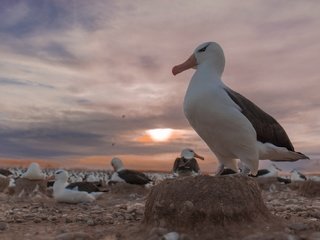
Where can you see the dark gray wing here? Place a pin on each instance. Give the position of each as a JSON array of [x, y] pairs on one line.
[[182, 164], [262, 172], [5, 172], [84, 186], [267, 128], [283, 180], [134, 177]]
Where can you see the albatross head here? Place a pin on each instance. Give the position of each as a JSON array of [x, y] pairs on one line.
[[188, 153], [61, 175], [209, 53], [117, 164]]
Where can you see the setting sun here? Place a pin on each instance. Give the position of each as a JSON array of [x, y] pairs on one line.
[[160, 134]]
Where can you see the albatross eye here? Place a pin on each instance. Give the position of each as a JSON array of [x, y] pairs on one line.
[[203, 49]]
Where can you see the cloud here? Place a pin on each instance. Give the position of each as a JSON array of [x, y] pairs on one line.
[[70, 70]]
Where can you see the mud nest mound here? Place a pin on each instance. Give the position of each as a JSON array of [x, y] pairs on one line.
[[195, 202], [310, 189], [4, 183], [26, 187]]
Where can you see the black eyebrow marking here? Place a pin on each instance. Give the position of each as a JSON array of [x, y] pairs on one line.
[[204, 48], [59, 171]]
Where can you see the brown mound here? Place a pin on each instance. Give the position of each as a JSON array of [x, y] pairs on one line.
[[196, 202], [25, 187], [4, 183], [310, 189]]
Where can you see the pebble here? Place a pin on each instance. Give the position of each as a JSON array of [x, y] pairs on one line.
[[68, 220], [37, 220], [171, 236], [189, 204], [3, 226], [90, 222]]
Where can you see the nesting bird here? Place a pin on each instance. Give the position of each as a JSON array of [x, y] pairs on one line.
[[187, 164], [5, 172], [232, 126], [34, 172], [125, 175], [62, 194], [297, 176], [271, 171]]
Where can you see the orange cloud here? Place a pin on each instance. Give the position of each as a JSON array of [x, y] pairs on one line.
[[145, 138]]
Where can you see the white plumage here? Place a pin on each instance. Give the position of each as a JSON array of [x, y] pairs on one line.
[[34, 172], [231, 125], [297, 176], [61, 194]]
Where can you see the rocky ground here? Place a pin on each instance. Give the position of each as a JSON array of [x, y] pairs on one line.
[[119, 214]]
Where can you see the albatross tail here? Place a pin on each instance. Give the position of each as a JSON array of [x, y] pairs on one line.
[[268, 151]]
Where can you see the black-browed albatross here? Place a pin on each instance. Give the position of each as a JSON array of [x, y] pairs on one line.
[[231, 125], [125, 175], [187, 164]]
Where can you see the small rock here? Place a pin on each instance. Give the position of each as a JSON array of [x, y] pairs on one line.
[[188, 204], [53, 219], [37, 220], [3, 226], [68, 220], [90, 222], [171, 236], [18, 220]]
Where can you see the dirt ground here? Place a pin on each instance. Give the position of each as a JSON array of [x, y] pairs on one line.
[[119, 214]]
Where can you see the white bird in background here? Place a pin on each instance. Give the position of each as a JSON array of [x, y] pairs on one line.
[[232, 126], [297, 176], [34, 172], [61, 194], [271, 171]]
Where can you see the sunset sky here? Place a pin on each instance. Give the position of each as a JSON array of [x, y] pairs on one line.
[[82, 81]]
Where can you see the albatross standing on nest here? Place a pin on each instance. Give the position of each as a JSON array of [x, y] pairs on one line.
[[231, 125]]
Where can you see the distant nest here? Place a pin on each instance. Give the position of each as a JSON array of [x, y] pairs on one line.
[[26, 187], [197, 202], [4, 183], [310, 189]]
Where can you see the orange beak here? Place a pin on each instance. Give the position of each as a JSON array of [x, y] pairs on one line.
[[198, 156], [190, 63]]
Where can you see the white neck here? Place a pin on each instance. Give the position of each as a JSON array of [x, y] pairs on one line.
[[120, 168]]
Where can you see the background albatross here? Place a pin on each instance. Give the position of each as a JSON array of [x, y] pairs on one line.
[[231, 125]]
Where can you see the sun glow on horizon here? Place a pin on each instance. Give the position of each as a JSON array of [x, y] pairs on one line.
[[160, 134]]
